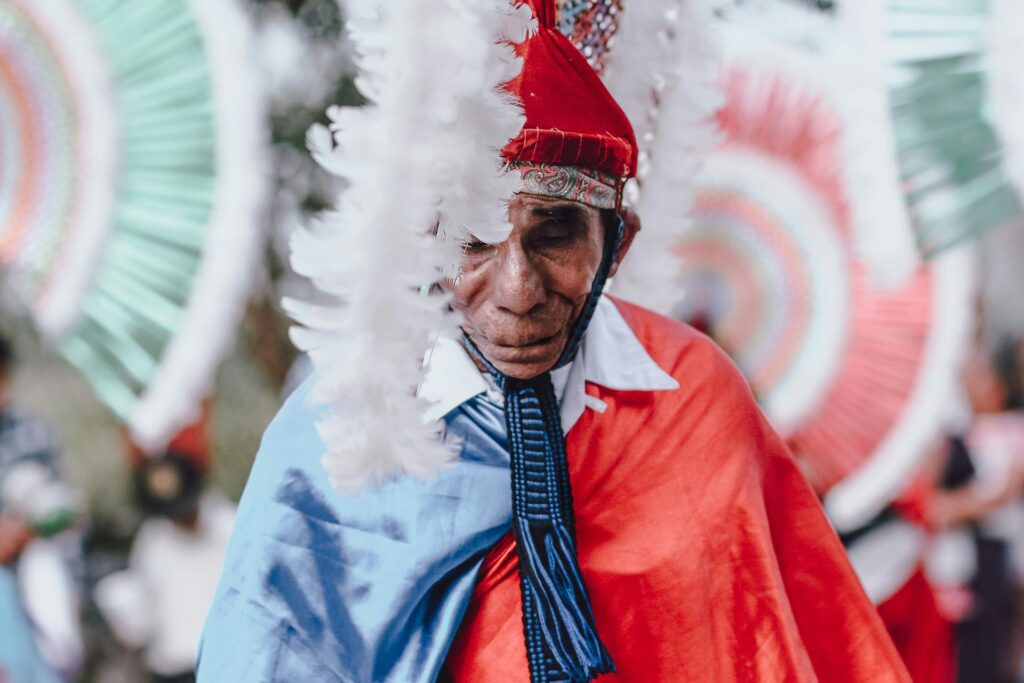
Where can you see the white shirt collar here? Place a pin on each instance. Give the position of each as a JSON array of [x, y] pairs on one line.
[[610, 356]]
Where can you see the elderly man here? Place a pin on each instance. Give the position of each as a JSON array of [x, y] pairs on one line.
[[620, 509]]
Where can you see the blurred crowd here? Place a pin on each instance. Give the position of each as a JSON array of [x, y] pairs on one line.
[[64, 614]]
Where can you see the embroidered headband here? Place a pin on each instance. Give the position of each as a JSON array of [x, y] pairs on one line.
[[586, 186]]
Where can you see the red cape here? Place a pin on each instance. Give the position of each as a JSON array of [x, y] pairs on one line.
[[706, 555]]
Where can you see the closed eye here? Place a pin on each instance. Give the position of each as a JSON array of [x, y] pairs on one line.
[[556, 234]]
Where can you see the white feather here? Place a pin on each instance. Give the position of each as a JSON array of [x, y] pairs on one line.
[[320, 143], [663, 72], [424, 151]]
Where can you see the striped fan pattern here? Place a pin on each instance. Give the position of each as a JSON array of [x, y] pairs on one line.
[[166, 191], [769, 265], [132, 255], [938, 73], [853, 374]]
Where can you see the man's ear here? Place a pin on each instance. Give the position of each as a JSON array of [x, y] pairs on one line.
[[631, 226]]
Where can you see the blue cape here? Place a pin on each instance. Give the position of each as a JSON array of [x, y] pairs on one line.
[[322, 587]]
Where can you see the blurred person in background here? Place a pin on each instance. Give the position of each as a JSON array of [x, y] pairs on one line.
[[40, 639], [160, 601], [994, 444], [941, 562]]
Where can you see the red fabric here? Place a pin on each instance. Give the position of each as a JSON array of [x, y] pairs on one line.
[[192, 441], [916, 501], [571, 118], [706, 555], [922, 635]]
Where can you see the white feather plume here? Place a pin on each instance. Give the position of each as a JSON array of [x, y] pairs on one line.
[[424, 152], [663, 72]]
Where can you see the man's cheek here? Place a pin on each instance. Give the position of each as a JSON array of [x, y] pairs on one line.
[[463, 290], [469, 312], [580, 287]]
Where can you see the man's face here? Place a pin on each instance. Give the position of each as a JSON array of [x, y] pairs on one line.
[[520, 298]]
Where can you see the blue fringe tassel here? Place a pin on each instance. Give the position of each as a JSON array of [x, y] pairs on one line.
[[561, 608]]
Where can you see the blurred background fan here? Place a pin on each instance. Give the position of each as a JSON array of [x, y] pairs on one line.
[[950, 160], [854, 374], [132, 219], [152, 167]]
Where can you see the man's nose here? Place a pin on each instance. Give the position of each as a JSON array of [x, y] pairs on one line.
[[520, 285]]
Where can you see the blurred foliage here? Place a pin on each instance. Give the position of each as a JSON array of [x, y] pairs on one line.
[[321, 17], [322, 22], [320, 79], [245, 401]]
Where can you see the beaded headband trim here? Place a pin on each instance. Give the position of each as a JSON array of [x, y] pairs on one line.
[[590, 187]]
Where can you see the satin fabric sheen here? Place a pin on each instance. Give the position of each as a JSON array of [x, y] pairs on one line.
[[923, 636], [318, 587], [706, 554]]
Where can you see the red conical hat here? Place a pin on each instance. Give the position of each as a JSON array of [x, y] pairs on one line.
[[571, 118]]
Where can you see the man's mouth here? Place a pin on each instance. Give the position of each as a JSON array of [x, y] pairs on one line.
[[532, 352], [540, 341]]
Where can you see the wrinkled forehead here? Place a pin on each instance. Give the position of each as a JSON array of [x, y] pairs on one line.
[[571, 183], [528, 208]]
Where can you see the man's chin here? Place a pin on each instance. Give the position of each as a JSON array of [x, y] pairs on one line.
[[524, 370]]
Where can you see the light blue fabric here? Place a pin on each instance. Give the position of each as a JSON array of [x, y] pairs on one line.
[[19, 658], [321, 587]]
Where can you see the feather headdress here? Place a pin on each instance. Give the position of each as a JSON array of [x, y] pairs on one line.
[[423, 153], [663, 71]]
